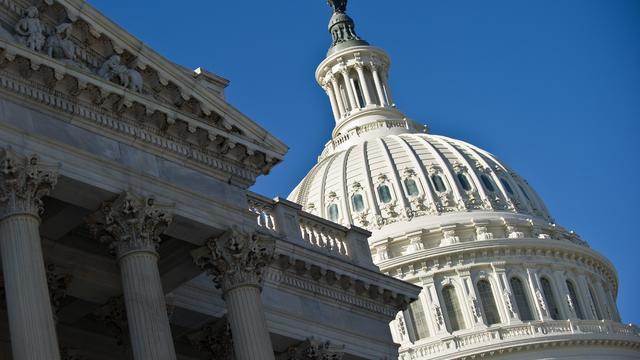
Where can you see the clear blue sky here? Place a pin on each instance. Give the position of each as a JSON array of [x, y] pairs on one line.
[[552, 87]]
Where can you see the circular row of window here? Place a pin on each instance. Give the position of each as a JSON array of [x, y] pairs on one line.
[[412, 190]]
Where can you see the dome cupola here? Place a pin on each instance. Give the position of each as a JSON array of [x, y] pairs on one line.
[[355, 77]]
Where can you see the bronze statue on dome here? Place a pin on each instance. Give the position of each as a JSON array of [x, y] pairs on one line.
[[339, 6]]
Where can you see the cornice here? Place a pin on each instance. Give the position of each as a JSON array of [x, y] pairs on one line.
[[102, 26], [482, 252], [103, 121], [205, 125]]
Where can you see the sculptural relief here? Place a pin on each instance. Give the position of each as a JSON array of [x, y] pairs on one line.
[[59, 44], [112, 69], [30, 30]]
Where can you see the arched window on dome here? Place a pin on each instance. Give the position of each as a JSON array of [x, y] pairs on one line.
[[522, 301], [550, 298], [411, 187], [452, 308], [417, 321], [464, 182], [384, 194], [487, 182], [507, 186], [357, 201], [488, 301], [596, 305], [334, 212], [438, 183], [573, 295]]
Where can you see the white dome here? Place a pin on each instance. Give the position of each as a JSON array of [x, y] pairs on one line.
[[498, 275], [425, 175]]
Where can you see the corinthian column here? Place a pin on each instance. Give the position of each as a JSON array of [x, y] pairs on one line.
[[132, 226], [235, 262], [378, 83], [23, 183], [363, 84]]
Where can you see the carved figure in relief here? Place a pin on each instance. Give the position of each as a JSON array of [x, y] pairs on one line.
[[541, 302], [483, 233], [59, 44], [449, 237], [113, 69], [508, 300], [30, 29], [437, 315], [401, 327], [475, 309]]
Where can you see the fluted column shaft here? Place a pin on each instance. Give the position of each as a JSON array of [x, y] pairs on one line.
[[23, 184], [245, 314], [132, 226], [378, 84], [146, 307], [339, 99], [364, 85], [347, 84], [386, 89], [235, 262], [33, 334], [334, 103]]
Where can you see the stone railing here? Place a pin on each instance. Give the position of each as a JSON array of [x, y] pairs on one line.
[[287, 220], [358, 131], [502, 335]]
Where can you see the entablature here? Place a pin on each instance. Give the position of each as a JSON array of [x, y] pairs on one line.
[[427, 263], [67, 52]]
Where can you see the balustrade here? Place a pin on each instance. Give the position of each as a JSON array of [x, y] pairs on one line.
[[294, 225], [533, 330]]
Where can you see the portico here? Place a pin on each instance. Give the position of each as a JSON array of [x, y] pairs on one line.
[[127, 227]]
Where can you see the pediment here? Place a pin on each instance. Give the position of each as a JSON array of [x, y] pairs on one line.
[[68, 47]]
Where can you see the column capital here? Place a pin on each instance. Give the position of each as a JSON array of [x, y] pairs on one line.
[[24, 181], [235, 258], [130, 223]]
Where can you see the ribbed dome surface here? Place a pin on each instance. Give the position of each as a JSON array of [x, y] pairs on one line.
[[397, 178]]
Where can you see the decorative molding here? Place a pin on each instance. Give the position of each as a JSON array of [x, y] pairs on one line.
[[235, 258], [210, 155], [336, 288], [130, 223], [71, 55], [472, 254], [24, 181]]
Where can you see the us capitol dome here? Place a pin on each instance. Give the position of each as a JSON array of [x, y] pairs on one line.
[[500, 278]]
